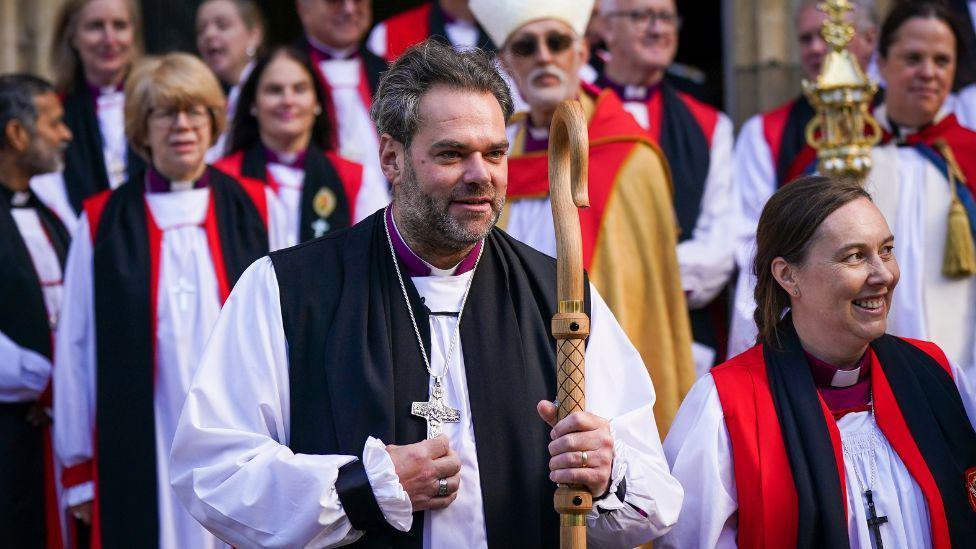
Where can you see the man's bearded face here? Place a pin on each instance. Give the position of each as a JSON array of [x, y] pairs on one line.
[[451, 189], [454, 217], [544, 58]]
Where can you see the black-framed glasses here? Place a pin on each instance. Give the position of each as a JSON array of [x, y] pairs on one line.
[[648, 17], [528, 44], [196, 116]]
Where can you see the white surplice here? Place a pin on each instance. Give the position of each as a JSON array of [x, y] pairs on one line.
[[232, 468], [188, 304], [358, 140], [699, 450], [284, 205], [914, 197], [24, 374]]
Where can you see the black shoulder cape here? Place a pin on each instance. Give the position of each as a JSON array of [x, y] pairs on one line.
[[24, 320], [125, 347], [355, 369]]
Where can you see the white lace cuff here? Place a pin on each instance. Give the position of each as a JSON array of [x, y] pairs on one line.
[[390, 495]]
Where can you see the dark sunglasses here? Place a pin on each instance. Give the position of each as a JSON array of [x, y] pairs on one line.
[[528, 45]]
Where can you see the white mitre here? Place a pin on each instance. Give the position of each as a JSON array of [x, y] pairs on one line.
[[501, 18]]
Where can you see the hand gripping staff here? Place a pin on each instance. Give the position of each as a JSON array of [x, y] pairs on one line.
[[568, 164]]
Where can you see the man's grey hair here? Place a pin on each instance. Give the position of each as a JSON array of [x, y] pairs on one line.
[[17, 93], [396, 109], [865, 12]]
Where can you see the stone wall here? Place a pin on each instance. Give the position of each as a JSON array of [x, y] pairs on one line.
[[763, 69], [25, 34]]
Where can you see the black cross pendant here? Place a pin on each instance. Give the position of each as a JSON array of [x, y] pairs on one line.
[[874, 521]]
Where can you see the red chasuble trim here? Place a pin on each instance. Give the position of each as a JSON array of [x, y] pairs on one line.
[[774, 124], [406, 29], [613, 137], [706, 115], [351, 176], [52, 511]]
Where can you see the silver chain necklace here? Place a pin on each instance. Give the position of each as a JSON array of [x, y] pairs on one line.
[[435, 410], [871, 515]]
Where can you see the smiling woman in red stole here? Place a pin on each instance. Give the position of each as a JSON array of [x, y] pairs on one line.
[[829, 432], [147, 273], [280, 139]]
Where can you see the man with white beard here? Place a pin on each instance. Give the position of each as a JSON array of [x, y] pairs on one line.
[[629, 230]]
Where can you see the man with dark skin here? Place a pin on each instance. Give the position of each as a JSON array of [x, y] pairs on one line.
[[33, 242]]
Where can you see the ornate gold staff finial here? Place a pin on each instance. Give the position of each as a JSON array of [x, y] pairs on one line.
[[843, 130]]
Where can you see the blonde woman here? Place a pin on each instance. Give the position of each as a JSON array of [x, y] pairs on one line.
[[95, 44], [151, 265]]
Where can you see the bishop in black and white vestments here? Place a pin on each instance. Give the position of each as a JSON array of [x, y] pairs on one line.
[[318, 359]]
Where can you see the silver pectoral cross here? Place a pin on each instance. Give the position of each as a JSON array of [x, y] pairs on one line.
[[435, 410], [320, 227]]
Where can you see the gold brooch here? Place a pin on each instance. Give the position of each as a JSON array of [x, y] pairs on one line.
[[324, 202]]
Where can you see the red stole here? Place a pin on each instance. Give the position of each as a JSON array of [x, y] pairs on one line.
[[613, 135], [961, 140], [406, 29], [767, 498]]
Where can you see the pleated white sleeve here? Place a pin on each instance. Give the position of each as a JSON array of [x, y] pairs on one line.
[[706, 259], [619, 388], [74, 370], [230, 464], [754, 183], [700, 453]]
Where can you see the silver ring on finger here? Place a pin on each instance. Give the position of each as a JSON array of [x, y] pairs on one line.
[[584, 459], [441, 487]]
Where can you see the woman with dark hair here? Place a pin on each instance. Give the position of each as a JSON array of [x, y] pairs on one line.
[[828, 432], [924, 180], [280, 137]]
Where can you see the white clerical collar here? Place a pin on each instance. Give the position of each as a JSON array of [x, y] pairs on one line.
[[536, 133], [902, 132], [181, 185], [846, 378]]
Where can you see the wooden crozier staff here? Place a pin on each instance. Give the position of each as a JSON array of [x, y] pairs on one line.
[[568, 159]]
